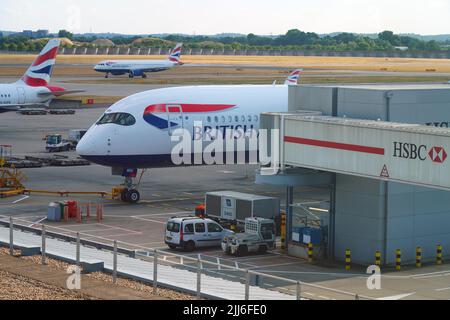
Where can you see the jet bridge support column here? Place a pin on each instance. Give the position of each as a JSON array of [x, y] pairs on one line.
[[289, 202]]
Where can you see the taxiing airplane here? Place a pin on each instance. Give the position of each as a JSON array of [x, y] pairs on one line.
[[140, 67], [33, 88], [136, 131]]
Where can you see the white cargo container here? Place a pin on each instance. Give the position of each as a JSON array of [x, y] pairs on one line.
[[407, 153], [237, 206]]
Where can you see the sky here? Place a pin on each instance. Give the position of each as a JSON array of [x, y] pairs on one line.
[[263, 17]]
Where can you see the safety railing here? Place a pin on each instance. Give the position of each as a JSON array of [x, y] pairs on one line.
[[252, 280]]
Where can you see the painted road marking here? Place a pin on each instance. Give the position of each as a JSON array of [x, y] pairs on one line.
[[21, 199], [396, 297], [442, 289], [149, 220], [275, 265], [37, 222]]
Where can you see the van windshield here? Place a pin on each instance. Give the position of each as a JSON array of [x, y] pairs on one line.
[[173, 226]]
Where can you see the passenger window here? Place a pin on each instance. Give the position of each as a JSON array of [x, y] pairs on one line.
[[255, 118], [199, 227], [189, 228], [249, 118], [223, 119], [236, 118], [208, 119], [216, 119], [212, 227], [243, 118], [230, 119]]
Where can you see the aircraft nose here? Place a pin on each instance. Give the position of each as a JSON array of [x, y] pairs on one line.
[[85, 147]]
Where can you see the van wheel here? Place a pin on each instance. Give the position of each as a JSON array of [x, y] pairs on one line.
[[190, 246], [171, 246], [242, 250]]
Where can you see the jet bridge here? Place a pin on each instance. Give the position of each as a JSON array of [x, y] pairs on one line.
[[407, 154], [399, 152]]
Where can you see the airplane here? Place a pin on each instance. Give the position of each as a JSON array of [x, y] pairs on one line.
[[135, 132], [33, 88], [140, 67]]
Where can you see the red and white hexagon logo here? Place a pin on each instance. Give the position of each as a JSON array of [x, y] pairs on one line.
[[437, 154]]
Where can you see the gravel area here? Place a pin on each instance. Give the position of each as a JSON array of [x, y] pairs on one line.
[[14, 287], [60, 265]]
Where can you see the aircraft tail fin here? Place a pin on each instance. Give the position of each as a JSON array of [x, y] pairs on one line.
[[293, 77], [40, 71], [175, 54]]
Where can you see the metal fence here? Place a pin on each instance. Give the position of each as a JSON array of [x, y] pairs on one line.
[[202, 266], [245, 52]]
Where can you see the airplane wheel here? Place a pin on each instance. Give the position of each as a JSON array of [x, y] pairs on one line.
[[133, 196], [106, 76], [144, 76], [131, 75]]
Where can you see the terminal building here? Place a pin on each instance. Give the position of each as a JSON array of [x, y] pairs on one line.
[[371, 212]]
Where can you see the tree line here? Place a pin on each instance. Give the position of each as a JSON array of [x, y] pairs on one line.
[[293, 40]]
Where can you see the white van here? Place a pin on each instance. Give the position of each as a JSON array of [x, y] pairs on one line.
[[193, 232]]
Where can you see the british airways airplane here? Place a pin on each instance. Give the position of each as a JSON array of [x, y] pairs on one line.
[[140, 67], [33, 88], [136, 132]]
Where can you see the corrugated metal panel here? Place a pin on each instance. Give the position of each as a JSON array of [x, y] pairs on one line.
[[364, 147]]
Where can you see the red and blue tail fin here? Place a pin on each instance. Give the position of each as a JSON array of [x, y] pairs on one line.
[[175, 54], [293, 77], [40, 71]]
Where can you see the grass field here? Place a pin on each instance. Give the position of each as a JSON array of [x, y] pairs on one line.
[[325, 63]]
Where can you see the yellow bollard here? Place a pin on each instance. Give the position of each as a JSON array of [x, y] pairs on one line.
[[378, 258], [310, 252], [398, 259], [439, 254], [283, 230], [418, 257], [348, 259]]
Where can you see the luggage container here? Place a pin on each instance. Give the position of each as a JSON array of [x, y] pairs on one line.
[[236, 206], [54, 212]]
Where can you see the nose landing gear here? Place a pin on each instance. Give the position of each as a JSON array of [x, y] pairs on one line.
[[128, 191], [131, 196]]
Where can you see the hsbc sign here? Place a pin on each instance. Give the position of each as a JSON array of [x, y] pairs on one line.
[[396, 152], [413, 151], [437, 154]]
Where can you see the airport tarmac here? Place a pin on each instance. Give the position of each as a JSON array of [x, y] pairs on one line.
[[174, 191]]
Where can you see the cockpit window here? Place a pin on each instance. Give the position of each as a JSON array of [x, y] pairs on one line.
[[120, 118]]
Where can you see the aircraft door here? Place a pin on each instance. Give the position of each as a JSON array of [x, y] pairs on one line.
[[21, 95], [174, 118]]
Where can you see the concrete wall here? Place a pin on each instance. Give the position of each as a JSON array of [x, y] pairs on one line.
[[374, 215]]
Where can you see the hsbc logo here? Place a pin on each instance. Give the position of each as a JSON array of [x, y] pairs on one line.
[[437, 154], [413, 151]]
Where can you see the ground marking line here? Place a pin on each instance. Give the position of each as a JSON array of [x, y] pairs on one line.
[[150, 220], [275, 265], [121, 235], [23, 198], [442, 289], [119, 228]]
